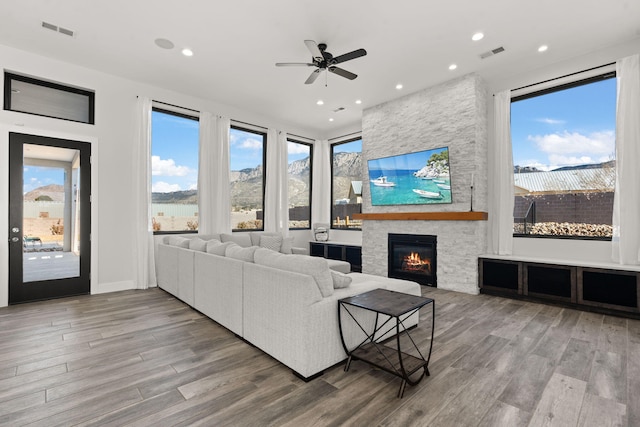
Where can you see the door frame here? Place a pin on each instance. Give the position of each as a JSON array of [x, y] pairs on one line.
[[44, 289]]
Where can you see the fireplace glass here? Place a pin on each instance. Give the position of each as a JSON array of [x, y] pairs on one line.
[[413, 257]]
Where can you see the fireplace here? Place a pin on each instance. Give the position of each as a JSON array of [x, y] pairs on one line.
[[413, 257]]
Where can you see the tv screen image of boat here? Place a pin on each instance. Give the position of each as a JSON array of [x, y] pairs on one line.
[[411, 179]]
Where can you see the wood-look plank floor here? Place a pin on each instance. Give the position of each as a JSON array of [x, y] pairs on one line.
[[142, 358]]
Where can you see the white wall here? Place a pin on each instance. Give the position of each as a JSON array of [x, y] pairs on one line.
[[112, 139], [559, 249]]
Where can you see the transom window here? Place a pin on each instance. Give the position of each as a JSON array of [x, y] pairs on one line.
[[563, 142]]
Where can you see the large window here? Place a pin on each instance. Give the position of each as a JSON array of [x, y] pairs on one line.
[[300, 161], [564, 159], [174, 163], [246, 161], [346, 184]]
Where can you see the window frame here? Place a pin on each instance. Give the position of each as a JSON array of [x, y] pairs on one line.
[[255, 130], [311, 146], [577, 82], [91, 95], [331, 204], [184, 116]]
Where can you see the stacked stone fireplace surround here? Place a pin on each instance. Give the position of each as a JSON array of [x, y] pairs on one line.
[[452, 114]]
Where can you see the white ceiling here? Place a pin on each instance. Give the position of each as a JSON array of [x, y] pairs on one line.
[[237, 43]]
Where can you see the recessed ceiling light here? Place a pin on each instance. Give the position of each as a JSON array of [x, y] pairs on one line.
[[358, 101], [543, 48], [477, 36], [453, 67], [399, 86], [164, 43], [320, 102], [331, 119], [187, 52]]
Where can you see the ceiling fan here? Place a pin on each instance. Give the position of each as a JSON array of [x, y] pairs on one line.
[[323, 60]]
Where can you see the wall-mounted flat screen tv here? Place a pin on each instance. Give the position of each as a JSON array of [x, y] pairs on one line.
[[420, 178]]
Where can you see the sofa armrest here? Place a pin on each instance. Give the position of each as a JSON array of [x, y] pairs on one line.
[[300, 251]]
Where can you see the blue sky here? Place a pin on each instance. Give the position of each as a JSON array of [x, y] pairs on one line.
[[567, 128], [38, 176], [409, 161]]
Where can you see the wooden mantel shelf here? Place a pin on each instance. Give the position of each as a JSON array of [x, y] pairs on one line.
[[424, 216]]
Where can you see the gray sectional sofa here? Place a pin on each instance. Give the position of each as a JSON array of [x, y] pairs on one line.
[[284, 304]]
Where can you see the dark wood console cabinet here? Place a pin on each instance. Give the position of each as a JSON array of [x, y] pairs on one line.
[[340, 251], [596, 289]]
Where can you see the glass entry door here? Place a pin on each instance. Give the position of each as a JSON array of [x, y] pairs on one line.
[[49, 218]]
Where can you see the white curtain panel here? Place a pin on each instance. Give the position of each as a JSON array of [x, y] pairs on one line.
[[321, 187], [206, 173], [221, 193], [144, 259], [500, 175], [276, 203], [626, 198]]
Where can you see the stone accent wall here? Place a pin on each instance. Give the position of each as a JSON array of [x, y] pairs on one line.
[[452, 114]]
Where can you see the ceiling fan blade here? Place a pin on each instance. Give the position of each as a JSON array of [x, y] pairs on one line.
[[342, 72], [293, 64], [315, 51], [312, 78], [348, 56]]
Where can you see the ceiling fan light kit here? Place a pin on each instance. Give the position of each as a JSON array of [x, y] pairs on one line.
[[324, 60]]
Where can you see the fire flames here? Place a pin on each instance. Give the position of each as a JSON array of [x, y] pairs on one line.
[[414, 263]]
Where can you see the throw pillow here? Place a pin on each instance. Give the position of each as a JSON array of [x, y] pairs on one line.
[[241, 239], [198, 244], [314, 266], [340, 280], [287, 244], [216, 247], [238, 252], [271, 242], [179, 241]]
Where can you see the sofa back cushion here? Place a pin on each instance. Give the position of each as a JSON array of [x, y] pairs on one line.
[[198, 244], [238, 252], [314, 266], [216, 247], [179, 241], [241, 239]]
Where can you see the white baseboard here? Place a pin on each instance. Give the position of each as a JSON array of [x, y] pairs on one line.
[[103, 288]]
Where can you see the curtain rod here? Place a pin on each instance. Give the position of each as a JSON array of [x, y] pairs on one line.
[[562, 77], [345, 136]]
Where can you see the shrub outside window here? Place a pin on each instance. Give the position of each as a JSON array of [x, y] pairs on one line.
[[563, 142], [299, 171], [246, 161], [174, 164], [346, 184]]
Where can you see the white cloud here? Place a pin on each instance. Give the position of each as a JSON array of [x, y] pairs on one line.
[[164, 187], [193, 186], [251, 144], [167, 167], [597, 143], [550, 121], [560, 160], [294, 148]]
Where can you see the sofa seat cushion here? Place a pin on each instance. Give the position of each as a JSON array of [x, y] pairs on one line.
[[314, 266]]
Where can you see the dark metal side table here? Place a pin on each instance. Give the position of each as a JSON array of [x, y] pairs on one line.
[[398, 307]]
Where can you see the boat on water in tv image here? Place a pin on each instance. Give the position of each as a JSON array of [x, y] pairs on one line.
[[381, 181], [428, 194], [416, 178]]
